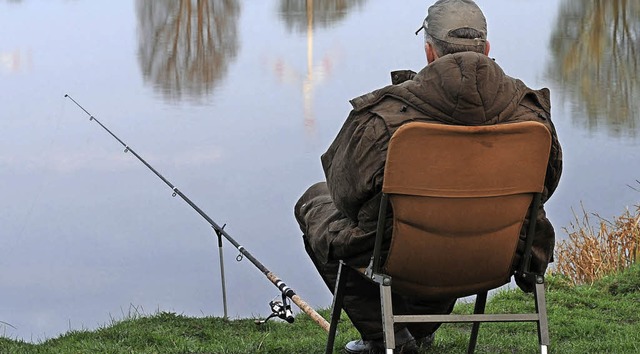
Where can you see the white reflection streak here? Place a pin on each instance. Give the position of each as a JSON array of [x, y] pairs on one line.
[[314, 75], [14, 62], [307, 85]]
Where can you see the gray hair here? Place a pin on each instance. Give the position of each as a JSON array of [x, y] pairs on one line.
[[443, 48]]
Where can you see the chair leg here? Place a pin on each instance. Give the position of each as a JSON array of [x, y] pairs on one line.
[[541, 309], [336, 307], [481, 302], [387, 318]]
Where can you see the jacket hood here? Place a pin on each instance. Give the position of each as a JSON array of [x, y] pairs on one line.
[[466, 88]]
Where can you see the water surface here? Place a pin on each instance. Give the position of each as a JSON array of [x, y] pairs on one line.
[[234, 102]]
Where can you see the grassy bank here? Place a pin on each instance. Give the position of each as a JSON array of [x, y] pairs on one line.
[[598, 318], [593, 297]]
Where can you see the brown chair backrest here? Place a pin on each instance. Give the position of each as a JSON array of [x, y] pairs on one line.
[[459, 196]]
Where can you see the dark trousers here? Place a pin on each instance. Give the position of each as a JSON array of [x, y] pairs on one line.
[[314, 212]]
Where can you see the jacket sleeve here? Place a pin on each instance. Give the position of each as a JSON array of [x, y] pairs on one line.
[[354, 163], [554, 168], [536, 106]]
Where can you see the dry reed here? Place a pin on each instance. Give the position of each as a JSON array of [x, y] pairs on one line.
[[593, 252]]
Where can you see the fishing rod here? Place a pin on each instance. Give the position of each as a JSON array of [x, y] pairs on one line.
[[279, 309]]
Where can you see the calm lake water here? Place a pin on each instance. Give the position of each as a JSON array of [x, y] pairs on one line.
[[234, 102]]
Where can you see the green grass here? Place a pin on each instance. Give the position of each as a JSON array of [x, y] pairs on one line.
[[601, 318]]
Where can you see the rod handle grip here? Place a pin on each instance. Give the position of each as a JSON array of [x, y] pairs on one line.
[[311, 312]]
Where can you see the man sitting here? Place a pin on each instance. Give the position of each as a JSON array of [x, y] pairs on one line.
[[460, 85]]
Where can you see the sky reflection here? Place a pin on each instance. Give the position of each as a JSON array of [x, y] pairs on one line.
[[89, 235]]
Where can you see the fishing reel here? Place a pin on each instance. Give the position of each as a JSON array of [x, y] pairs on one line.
[[280, 309]]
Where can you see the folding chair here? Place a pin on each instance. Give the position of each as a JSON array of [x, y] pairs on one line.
[[459, 197]]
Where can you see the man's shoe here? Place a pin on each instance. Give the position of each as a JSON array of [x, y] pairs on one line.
[[425, 342], [404, 344]]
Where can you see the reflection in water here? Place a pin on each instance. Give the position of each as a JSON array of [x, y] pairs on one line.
[[596, 58], [294, 13], [303, 16], [15, 61], [185, 46]]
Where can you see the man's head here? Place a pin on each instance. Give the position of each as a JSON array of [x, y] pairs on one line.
[[454, 26]]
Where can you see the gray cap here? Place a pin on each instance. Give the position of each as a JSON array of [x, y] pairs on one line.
[[446, 16]]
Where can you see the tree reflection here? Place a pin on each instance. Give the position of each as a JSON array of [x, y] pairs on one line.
[[595, 47], [325, 12], [185, 46], [304, 17]]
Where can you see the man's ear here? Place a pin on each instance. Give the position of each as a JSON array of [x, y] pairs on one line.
[[487, 48], [431, 52]]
